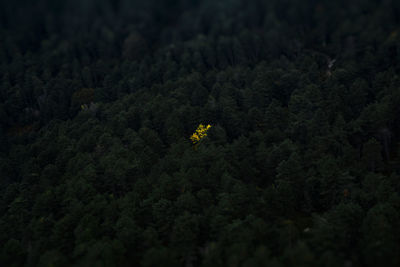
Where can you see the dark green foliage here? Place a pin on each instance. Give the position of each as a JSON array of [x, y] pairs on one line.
[[301, 165]]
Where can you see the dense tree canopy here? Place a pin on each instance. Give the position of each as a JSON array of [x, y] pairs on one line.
[[300, 165]]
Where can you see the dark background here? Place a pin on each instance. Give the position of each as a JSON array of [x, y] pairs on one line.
[[98, 100]]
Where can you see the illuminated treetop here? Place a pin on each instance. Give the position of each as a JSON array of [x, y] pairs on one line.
[[200, 133]]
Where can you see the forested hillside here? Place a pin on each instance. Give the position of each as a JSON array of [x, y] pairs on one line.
[[299, 166]]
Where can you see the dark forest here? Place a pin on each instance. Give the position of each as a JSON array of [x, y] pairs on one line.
[[199, 133]]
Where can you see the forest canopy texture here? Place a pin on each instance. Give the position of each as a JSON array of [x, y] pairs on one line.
[[200, 133]]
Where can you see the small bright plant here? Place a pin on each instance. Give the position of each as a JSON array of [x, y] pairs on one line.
[[200, 133]]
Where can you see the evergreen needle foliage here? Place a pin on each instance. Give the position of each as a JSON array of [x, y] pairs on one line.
[[106, 159]]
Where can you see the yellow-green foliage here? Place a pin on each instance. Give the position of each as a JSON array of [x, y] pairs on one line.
[[200, 133]]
